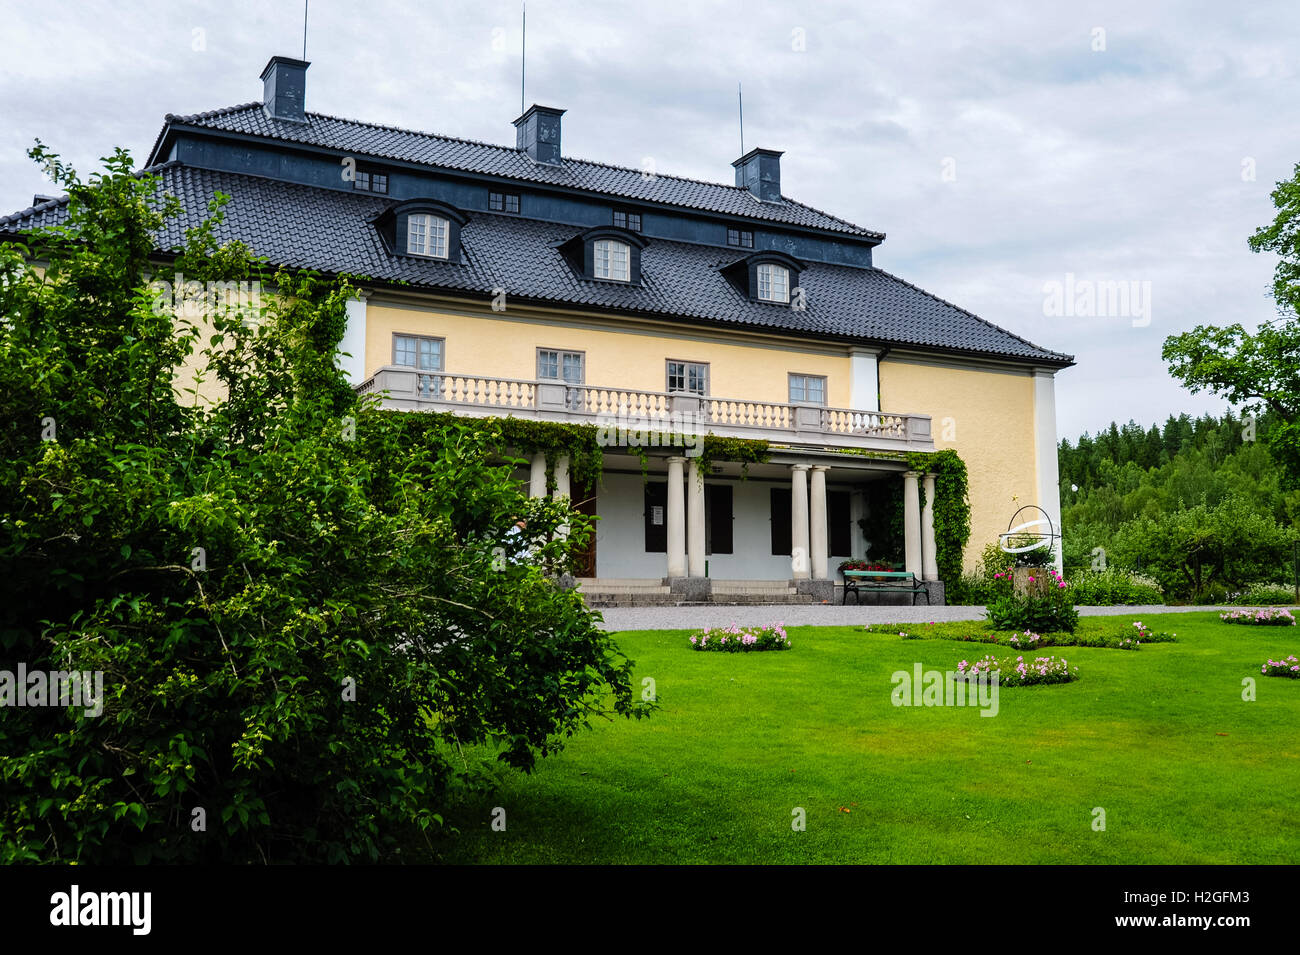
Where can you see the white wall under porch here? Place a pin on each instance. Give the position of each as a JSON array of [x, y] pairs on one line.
[[620, 533]]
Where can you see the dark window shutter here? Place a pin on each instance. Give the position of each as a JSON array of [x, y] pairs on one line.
[[840, 536], [781, 521], [656, 535], [717, 503]]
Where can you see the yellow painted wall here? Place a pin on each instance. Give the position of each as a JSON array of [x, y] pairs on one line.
[[507, 348], [988, 418]]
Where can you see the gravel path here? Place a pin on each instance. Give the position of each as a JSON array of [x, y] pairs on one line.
[[691, 618]]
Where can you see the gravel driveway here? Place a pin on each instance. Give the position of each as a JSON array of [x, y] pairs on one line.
[[691, 618]]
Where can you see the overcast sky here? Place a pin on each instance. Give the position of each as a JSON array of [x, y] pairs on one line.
[[1001, 146]]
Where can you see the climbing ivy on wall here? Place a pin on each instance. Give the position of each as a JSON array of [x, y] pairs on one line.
[[951, 507], [527, 436], [883, 525]]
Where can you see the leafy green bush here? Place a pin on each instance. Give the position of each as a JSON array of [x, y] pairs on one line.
[[297, 614], [1039, 611], [1112, 586], [1192, 549], [1266, 595]]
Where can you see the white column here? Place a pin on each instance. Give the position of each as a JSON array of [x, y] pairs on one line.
[[537, 475], [864, 379], [857, 511], [676, 520], [1048, 476], [353, 364], [799, 522], [817, 523], [912, 523], [561, 477], [929, 559], [694, 519]]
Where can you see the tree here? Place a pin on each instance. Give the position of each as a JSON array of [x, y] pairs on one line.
[[1190, 549], [1261, 369], [298, 616]]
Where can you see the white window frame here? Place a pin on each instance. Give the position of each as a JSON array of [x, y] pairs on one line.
[[442, 350], [770, 290], [804, 380], [607, 255], [427, 235], [702, 367]]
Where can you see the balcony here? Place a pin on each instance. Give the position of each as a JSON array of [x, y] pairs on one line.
[[797, 424]]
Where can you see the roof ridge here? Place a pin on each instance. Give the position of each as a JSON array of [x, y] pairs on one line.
[[463, 140], [965, 311]]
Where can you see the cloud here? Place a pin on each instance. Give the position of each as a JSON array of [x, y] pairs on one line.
[[1116, 164]]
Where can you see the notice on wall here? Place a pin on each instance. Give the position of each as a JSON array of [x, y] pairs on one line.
[[656, 514]]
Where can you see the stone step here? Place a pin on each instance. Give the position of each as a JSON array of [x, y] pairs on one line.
[[604, 600]]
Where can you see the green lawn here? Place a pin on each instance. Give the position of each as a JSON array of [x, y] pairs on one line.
[[1186, 771]]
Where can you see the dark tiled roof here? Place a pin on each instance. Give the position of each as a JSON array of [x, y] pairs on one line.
[[385, 142], [306, 227]]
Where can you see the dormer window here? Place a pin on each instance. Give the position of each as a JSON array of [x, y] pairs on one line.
[[740, 237], [611, 259], [427, 235], [773, 283], [426, 228], [604, 254], [769, 276]]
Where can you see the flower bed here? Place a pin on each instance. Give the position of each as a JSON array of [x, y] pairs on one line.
[[1096, 634], [736, 639], [1017, 671], [1289, 667], [1264, 617], [864, 565]]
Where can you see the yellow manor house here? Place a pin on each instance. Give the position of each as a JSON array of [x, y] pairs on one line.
[[515, 280]]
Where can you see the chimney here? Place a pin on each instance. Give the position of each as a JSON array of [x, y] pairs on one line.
[[537, 133], [759, 171], [284, 90]]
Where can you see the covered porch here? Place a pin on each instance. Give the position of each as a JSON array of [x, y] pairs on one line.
[[678, 533]]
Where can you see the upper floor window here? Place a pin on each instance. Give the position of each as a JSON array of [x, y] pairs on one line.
[[689, 376], [741, 238], [611, 260], [810, 389], [627, 220], [369, 181], [417, 351], [565, 365], [426, 235], [773, 283], [504, 202]]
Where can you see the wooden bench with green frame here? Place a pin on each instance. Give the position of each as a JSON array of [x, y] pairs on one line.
[[859, 577]]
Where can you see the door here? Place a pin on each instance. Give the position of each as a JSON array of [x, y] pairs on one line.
[[584, 501]]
